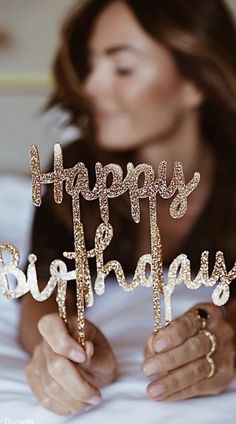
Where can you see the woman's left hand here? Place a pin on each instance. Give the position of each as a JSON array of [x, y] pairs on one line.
[[176, 356]]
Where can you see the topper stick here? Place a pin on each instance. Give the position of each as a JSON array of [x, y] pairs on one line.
[[157, 267], [81, 268]]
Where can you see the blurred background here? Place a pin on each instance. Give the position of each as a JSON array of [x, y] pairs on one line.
[[28, 38]]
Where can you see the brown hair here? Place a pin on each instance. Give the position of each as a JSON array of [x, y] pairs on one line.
[[201, 36]]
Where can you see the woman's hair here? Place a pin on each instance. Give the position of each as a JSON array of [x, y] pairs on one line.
[[201, 36]]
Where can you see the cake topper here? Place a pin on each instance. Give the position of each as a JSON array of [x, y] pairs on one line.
[[76, 182]]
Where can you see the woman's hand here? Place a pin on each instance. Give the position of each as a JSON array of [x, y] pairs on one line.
[[63, 377], [176, 357]]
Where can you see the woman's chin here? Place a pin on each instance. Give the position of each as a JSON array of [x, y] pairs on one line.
[[115, 141], [112, 144]]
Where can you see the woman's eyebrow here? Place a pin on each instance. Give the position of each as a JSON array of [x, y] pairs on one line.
[[121, 48], [110, 51]]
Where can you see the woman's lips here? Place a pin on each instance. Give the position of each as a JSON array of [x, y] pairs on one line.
[[105, 116]]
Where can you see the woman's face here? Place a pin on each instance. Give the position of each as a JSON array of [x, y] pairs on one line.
[[137, 93]]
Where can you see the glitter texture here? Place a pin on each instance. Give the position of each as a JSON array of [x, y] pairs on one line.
[[180, 273], [77, 184]]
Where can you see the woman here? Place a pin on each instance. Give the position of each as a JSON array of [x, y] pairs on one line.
[[154, 83]]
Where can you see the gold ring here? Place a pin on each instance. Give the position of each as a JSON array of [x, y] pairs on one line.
[[212, 364], [212, 338], [202, 315]]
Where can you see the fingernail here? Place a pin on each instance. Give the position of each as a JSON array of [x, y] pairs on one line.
[[90, 349], [95, 400], [77, 356], [88, 408], [157, 390], [151, 368], [161, 344]]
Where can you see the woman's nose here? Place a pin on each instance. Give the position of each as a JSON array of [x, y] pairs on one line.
[[96, 82]]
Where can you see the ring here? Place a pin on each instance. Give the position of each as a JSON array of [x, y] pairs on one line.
[[212, 364], [212, 338], [202, 315]]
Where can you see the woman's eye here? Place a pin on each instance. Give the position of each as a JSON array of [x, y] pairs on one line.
[[124, 71]]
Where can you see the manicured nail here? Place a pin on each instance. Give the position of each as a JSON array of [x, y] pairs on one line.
[[88, 408], [151, 368], [95, 400], [161, 344], [89, 347], [77, 355], [157, 390]]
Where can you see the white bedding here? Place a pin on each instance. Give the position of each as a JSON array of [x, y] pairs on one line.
[[126, 319]]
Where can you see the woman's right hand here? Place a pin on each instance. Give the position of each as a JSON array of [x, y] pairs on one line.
[[63, 376]]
